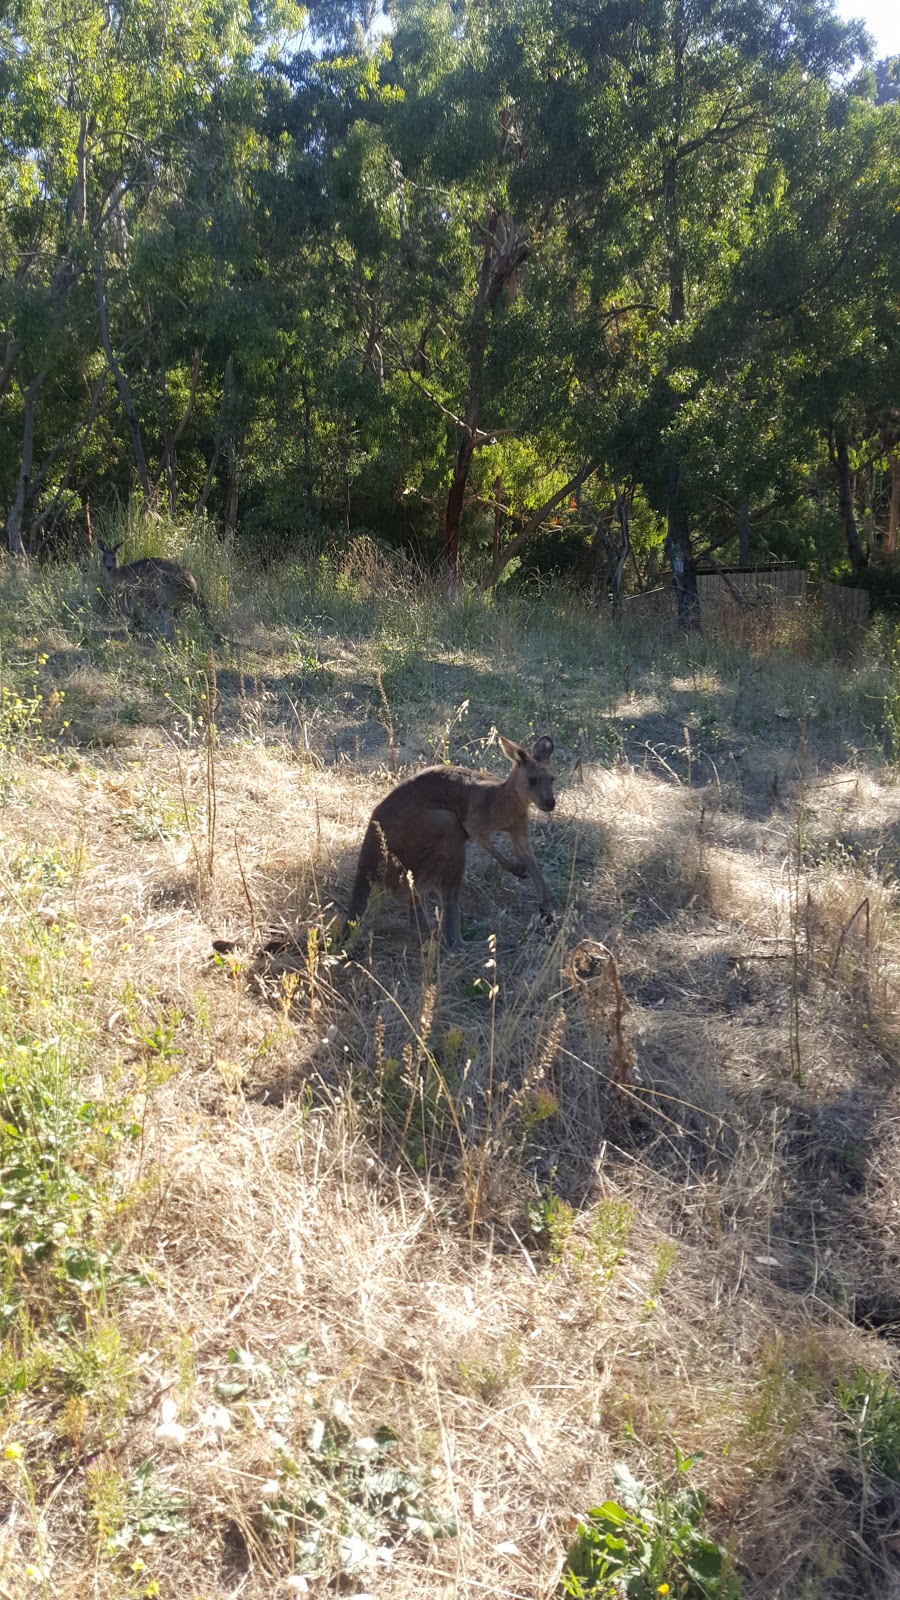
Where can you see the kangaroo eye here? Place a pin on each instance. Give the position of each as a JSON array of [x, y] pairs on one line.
[[532, 783]]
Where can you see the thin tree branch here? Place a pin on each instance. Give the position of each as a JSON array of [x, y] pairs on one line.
[[534, 522]]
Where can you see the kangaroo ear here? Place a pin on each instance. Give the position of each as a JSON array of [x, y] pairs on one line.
[[543, 749], [513, 752]]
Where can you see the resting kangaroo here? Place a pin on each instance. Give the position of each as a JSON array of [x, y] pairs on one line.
[[423, 826], [155, 587]]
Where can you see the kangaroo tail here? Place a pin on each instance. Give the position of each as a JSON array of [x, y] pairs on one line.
[[372, 857]]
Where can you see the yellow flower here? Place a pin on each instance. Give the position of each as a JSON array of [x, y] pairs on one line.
[[663, 1588], [13, 1452]]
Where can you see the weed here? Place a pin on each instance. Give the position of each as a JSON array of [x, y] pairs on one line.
[[26, 715], [94, 1366], [610, 1231], [646, 1544], [551, 1221], [138, 1508], [153, 815], [487, 1380], [57, 1145], [870, 1409], [788, 1380], [343, 1502]]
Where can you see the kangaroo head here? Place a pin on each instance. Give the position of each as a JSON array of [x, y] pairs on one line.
[[532, 778], [109, 556]]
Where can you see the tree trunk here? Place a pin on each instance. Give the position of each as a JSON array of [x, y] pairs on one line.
[[122, 384], [890, 543], [453, 514], [231, 494], [744, 531], [166, 463], [678, 533], [622, 556], [681, 556], [81, 174], [840, 456], [8, 363], [17, 514], [503, 255], [308, 485], [77, 438]]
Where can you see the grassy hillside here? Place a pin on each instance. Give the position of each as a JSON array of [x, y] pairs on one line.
[[530, 1213]]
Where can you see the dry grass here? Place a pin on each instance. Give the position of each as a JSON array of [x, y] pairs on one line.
[[353, 1153]]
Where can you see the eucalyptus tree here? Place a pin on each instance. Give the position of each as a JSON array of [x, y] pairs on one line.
[[825, 280], [106, 105]]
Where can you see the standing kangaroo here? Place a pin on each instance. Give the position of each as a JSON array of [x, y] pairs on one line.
[[153, 587], [421, 830]]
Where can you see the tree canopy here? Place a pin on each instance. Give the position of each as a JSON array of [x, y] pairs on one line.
[[520, 286]]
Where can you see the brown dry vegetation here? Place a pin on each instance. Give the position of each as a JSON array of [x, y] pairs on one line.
[[299, 1147]]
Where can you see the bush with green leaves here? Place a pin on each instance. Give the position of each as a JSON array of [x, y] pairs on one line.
[[870, 1407], [648, 1543]]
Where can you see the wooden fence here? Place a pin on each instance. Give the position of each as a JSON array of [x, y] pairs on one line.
[[843, 608], [757, 592]]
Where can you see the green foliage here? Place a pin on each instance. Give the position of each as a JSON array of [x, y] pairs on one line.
[[57, 1144], [644, 1544], [137, 1509], [339, 1499], [265, 283], [551, 1221], [26, 716], [344, 1500], [870, 1410]]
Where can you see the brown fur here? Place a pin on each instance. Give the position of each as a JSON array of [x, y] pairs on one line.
[[152, 592], [420, 831]]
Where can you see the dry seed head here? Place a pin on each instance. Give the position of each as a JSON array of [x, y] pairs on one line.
[[550, 1047]]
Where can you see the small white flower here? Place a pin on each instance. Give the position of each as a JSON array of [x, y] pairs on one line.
[[270, 1488], [168, 1410]]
